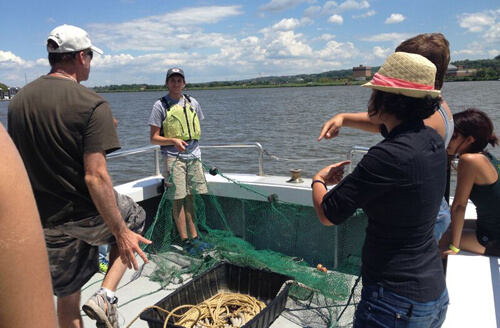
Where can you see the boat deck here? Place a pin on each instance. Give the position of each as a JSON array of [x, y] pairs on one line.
[[136, 292], [473, 281]]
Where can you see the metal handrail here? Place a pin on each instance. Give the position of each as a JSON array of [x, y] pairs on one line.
[[156, 150], [355, 149], [139, 150], [243, 145]]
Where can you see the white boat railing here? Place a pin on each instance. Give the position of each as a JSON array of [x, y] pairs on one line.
[[156, 150]]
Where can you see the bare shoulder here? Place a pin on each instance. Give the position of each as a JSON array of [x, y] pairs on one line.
[[473, 159], [479, 166]]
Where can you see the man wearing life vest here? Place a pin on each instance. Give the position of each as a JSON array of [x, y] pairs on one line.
[[175, 126]]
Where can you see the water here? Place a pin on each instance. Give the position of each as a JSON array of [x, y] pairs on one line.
[[286, 121]]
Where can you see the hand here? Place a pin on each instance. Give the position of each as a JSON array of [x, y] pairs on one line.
[[179, 144], [128, 244], [331, 127], [445, 253], [332, 174]]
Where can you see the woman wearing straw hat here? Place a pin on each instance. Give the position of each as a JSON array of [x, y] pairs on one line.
[[399, 184], [436, 48]]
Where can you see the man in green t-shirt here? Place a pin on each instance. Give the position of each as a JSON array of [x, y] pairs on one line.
[[64, 131]]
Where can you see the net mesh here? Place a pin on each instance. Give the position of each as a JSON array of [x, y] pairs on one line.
[[257, 229]]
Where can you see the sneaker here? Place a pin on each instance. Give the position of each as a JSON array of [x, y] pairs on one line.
[[103, 265], [96, 308], [200, 245], [189, 248]]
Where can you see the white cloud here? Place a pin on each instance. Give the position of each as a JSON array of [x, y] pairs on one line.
[[365, 15], [250, 41], [9, 57], [353, 5], [281, 5], [336, 19], [288, 24], [324, 38], [288, 44], [380, 52], [395, 18], [472, 49], [394, 37], [329, 7], [161, 31], [335, 49], [313, 11], [494, 52], [477, 22], [42, 62], [468, 52], [493, 33], [486, 22]]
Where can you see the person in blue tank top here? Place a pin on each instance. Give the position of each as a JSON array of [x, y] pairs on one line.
[[477, 180]]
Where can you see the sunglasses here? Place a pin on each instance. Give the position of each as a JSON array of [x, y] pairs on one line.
[[90, 53]]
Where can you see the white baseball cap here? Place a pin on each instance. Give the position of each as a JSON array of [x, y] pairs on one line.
[[70, 38]]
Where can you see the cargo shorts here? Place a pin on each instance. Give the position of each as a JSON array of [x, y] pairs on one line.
[[73, 246], [183, 177]]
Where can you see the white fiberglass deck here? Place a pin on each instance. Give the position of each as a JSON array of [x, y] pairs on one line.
[[473, 281]]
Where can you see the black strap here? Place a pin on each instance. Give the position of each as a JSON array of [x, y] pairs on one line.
[[165, 103]]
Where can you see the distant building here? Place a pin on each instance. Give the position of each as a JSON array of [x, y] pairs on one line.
[[361, 72], [460, 71]]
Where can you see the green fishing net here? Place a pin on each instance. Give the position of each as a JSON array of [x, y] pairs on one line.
[[259, 230]]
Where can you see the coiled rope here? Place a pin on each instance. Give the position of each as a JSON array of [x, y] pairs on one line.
[[223, 310]]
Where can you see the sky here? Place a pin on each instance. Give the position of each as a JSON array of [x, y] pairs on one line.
[[234, 40]]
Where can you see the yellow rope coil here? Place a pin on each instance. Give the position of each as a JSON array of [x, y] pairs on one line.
[[220, 311]]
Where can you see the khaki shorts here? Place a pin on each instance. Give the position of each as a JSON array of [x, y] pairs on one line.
[[183, 177], [73, 246]]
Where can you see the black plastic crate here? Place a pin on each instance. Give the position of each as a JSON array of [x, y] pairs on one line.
[[264, 285]]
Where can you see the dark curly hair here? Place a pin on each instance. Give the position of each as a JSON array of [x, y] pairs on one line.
[[474, 122], [402, 107]]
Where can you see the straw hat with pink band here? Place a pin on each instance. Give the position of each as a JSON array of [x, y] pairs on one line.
[[406, 74]]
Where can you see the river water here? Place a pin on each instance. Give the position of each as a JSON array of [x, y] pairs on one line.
[[285, 121]]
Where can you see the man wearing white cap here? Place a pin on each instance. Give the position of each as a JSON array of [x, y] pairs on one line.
[[64, 131]]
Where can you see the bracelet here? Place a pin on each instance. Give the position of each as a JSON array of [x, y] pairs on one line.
[[454, 249], [319, 181]]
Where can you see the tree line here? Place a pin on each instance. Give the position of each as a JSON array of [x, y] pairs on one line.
[[487, 69]]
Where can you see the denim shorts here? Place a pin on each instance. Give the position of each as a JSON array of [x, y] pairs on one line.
[[443, 220], [382, 308]]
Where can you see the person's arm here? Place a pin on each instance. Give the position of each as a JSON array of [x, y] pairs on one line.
[[101, 190], [466, 176], [328, 176], [156, 139], [25, 284], [359, 121]]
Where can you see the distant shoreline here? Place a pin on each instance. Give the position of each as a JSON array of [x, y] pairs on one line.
[[259, 86]]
